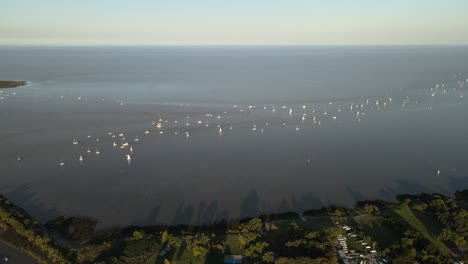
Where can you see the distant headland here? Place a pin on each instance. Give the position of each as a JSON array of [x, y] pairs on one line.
[[11, 84]]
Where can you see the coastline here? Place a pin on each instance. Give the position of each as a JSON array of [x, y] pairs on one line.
[[72, 239], [12, 84]]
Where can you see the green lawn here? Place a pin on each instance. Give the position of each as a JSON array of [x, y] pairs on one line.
[[407, 214], [353, 244], [379, 233], [317, 223]]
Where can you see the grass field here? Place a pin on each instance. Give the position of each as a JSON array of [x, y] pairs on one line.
[[407, 214], [381, 234], [317, 223]]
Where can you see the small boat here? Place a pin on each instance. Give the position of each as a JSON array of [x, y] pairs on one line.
[[147, 132], [220, 130], [61, 163], [121, 135], [131, 149], [290, 111], [75, 142], [88, 150], [297, 128], [438, 172], [125, 144], [137, 139], [159, 125], [19, 158], [97, 151], [283, 124], [187, 134], [308, 161], [81, 158], [114, 145], [129, 158]]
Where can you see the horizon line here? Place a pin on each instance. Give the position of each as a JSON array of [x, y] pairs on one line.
[[236, 45]]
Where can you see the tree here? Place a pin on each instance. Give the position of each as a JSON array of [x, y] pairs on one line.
[[255, 250], [250, 231], [137, 235], [268, 257], [164, 237], [201, 245]]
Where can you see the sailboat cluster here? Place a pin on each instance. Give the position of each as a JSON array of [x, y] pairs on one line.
[[298, 116]]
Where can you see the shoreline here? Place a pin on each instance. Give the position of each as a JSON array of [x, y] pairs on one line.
[[392, 218]]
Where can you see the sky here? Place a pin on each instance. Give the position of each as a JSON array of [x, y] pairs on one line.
[[237, 22]]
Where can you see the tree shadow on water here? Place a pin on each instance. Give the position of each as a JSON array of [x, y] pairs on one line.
[[183, 215], [249, 205], [26, 199]]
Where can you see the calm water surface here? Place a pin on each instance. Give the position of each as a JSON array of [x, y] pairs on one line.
[[397, 146]]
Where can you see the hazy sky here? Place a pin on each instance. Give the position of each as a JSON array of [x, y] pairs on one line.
[[250, 22]]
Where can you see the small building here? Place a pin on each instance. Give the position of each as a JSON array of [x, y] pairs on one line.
[[233, 259]]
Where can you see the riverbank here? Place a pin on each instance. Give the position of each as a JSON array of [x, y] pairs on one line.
[[427, 228], [11, 84]]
